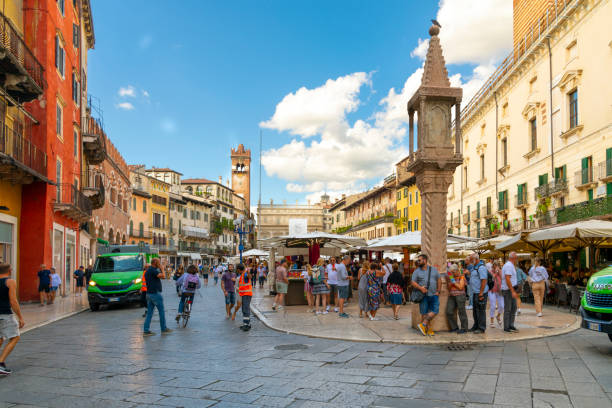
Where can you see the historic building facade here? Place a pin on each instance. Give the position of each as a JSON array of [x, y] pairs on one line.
[[536, 139], [140, 206], [273, 219], [408, 200]]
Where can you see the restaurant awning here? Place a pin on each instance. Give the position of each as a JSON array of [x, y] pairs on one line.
[[323, 239], [195, 256], [411, 239], [255, 252]]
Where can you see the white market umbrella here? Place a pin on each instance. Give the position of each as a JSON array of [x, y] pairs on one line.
[[307, 239], [411, 239], [254, 252]]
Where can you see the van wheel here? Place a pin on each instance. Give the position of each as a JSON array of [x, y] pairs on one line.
[[94, 307]]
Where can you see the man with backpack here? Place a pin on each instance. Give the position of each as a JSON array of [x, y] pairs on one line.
[[188, 283], [479, 284]]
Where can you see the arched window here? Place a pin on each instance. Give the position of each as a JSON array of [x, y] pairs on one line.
[[131, 228], [144, 206], [141, 230]]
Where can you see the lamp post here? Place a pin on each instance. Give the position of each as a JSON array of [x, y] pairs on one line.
[[243, 228]]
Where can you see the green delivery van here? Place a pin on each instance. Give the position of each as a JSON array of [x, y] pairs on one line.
[[596, 304], [117, 275]]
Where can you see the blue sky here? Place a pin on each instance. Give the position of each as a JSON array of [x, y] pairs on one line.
[[325, 81]]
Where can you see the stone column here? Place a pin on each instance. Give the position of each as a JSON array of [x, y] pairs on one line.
[[411, 130]]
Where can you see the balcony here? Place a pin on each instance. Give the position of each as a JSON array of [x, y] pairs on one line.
[[72, 203], [93, 187], [195, 232], [21, 162], [605, 171], [466, 218], [520, 200], [143, 234], [21, 75], [449, 223], [583, 179], [94, 140], [585, 209], [548, 218], [476, 215], [555, 187], [521, 225], [502, 205]]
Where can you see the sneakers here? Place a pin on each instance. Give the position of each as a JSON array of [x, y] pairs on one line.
[[336, 309], [513, 329], [518, 311], [422, 329], [279, 307], [166, 331], [245, 327], [4, 370], [430, 332], [273, 306], [343, 315], [374, 319], [318, 312], [325, 312], [462, 331], [539, 315], [327, 308], [148, 333]]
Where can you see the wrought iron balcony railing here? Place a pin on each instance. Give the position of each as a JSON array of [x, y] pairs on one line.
[[585, 209], [556, 186], [583, 178], [605, 170], [72, 203], [94, 140], [28, 157], [520, 200]]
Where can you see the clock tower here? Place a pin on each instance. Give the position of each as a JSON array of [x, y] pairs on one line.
[[241, 174]]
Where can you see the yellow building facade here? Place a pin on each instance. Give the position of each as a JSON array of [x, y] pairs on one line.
[[537, 138], [408, 200]]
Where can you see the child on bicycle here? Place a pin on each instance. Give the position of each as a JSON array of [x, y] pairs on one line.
[[187, 284]]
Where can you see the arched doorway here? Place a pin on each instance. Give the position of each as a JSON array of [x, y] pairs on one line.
[[111, 236]]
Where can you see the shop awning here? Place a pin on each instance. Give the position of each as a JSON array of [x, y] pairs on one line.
[[195, 256]]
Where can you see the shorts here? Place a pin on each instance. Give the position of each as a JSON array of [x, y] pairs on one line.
[[54, 288], [43, 288], [9, 327], [281, 287], [333, 289], [396, 298], [230, 298], [429, 304], [79, 283], [343, 292], [205, 276]]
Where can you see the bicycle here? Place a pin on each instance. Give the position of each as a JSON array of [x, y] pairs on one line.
[[186, 311]]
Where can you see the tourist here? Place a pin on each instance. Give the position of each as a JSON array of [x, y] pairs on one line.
[[9, 307], [467, 272], [509, 292], [521, 278], [79, 277], [320, 288], [332, 281], [261, 274], [56, 282], [388, 269], [495, 295], [228, 280], [538, 276], [479, 287], [189, 284], [307, 277], [394, 290], [245, 290], [354, 271], [343, 279], [179, 272], [362, 288], [282, 283], [374, 277], [155, 299], [218, 271], [426, 279], [205, 272], [456, 300], [44, 284], [407, 285], [252, 269], [143, 290]]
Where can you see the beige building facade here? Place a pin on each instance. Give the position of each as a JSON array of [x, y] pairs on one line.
[[371, 214], [537, 139], [273, 219]]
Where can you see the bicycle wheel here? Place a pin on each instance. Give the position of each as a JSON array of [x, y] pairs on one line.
[[186, 313]]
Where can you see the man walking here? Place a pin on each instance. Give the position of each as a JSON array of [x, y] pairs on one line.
[[155, 299], [343, 284], [228, 280], [9, 307], [426, 279], [245, 290], [281, 285], [79, 277], [509, 288], [479, 287], [44, 284]]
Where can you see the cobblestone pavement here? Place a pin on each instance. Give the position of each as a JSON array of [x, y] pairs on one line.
[[101, 360]]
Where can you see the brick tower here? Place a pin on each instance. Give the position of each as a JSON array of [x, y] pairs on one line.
[[241, 174]]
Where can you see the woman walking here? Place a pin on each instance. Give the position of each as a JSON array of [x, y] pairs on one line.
[[495, 295], [394, 289], [362, 288], [456, 300], [374, 276], [538, 276], [320, 288]]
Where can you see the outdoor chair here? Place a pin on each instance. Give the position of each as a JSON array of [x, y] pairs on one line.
[[574, 298], [562, 296]]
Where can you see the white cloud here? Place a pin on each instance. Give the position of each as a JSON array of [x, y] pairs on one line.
[[125, 106], [479, 76], [308, 112], [421, 49], [128, 91], [473, 31], [145, 93], [168, 125]]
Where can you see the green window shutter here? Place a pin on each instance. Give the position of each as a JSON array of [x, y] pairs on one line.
[[609, 189], [609, 161], [468, 213], [585, 170], [564, 172], [590, 194], [477, 209], [557, 170], [500, 198]]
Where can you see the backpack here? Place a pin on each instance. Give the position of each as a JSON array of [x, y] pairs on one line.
[[190, 284], [490, 279], [316, 276]]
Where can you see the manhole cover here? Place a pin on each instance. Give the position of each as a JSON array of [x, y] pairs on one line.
[[291, 347], [458, 347], [545, 327]]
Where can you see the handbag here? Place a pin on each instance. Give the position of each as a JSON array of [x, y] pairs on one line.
[[417, 296]]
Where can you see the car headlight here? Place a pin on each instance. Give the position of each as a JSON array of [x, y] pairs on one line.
[[137, 280], [92, 283]]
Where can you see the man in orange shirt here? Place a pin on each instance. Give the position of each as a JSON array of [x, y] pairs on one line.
[[245, 291]]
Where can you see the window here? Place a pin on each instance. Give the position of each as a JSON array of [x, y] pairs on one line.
[[465, 178], [141, 230], [561, 173], [521, 194], [410, 199], [58, 120], [134, 203], [533, 133], [58, 179], [410, 225], [131, 228], [468, 213], [157, 220], [60, 56], [405, 192], [76, 36], [76, 89], [416, 224], [586, 167], [543, 179], [405, 212], [573, 108], [504, 146], [399, 195], [62, 6], [144, 206], [416, 197], [503, 200], [76, 143], [482, 167]]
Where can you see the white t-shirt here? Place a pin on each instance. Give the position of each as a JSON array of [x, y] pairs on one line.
[[538, 273], [388, 269], [508, 270], [489, 266], [332, 274]]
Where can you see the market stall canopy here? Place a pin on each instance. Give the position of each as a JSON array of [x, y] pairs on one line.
[[254, 252], [489, 244], [411, 239], [308, 239]]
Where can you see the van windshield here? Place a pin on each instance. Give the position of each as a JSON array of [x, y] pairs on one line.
[[120, 263]]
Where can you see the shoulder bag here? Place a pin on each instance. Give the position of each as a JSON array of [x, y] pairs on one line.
[[417, 296]]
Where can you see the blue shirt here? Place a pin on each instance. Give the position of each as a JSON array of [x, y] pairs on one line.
[[154, 284], [476, 277]]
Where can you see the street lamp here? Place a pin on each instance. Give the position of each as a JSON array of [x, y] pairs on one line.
[[243, 228]]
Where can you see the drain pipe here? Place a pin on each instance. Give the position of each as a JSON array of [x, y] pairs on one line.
[[550, 118]]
